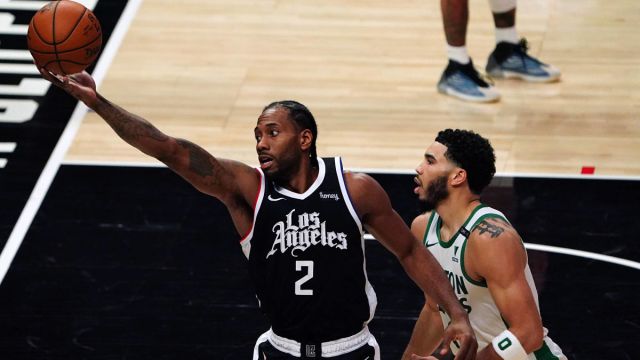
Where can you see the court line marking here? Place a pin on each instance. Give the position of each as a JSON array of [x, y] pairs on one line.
[[584, 254], [572, 252], [7, 147], [55, 160], [156, 164]]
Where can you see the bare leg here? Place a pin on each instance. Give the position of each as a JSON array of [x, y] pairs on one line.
[[460, 79], [455, 16], [505, 19]]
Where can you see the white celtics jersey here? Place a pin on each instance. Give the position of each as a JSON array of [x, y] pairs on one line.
[[474, 296]]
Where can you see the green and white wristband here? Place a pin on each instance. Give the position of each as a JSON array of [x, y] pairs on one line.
[[508, 347]]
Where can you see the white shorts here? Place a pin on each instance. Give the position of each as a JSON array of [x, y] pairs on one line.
[[361, 346]]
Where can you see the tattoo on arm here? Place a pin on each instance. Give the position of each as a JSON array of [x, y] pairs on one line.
[[143, 135], [492, 229], [129, 127], [198, 158]]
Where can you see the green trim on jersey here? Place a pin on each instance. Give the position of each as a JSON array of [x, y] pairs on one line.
[[544, 353], [494, 216], [426, 230], [483, 282], [450, 242]]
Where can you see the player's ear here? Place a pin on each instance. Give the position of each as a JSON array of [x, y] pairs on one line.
[[306, 139], [458, 176]]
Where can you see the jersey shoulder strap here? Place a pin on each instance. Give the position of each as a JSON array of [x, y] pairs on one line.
[[430, 237], [480, 213]]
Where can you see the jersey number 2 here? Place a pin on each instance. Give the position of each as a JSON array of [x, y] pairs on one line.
[[299, 265]]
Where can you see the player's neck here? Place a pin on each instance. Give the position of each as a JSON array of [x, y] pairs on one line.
[[455, 210], [303, 178]]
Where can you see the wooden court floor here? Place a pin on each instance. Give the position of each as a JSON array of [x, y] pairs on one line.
[[203, 70]]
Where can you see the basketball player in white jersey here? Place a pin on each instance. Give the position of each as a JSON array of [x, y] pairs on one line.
[[302, 221], [481, 253]]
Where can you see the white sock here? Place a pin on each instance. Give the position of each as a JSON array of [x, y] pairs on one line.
[[458, 54], [509, 35]]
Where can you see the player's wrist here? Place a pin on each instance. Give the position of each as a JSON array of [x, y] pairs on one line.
[[508, 347], [457, 313], [97, 101]]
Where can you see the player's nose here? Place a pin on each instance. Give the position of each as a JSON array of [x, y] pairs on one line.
[[262, 144]]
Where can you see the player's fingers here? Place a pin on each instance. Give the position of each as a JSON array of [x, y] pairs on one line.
[[48, 76], [446, 343], [58, 79], [444, 350], [468, 349], [75, 77], [83, 79]]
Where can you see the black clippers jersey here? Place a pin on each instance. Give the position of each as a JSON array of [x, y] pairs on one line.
[[306, 258]]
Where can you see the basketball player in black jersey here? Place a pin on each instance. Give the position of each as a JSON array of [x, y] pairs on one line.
[[302, 220]]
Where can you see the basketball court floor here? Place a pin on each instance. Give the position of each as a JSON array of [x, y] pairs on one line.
[[108, 255]]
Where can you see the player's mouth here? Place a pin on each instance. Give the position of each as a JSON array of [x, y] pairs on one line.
[[416, 180], [265, 161]]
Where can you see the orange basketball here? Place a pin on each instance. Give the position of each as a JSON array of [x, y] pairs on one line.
[[64, 37]]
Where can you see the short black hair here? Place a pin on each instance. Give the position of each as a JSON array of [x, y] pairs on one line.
[[471, 152], [302, 117]]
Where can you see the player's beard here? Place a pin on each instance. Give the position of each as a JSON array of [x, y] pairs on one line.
[[285, 167], [436, 193]]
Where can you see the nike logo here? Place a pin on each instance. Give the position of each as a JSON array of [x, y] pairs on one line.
[[271, 198], [430, 245]]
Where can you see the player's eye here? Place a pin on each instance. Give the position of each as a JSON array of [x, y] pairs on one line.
[[274, 132]]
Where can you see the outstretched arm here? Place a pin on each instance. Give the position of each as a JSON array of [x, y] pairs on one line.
[[374, 207], [224, 179]]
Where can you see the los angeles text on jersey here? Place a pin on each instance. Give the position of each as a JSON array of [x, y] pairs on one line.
[[308, 230]]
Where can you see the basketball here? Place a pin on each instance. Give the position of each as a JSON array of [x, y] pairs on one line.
[[64, 37]]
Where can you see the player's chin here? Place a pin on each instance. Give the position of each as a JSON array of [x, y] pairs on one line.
[[271, 171]]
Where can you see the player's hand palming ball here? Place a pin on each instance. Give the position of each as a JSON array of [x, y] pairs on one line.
[[64, 37]]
